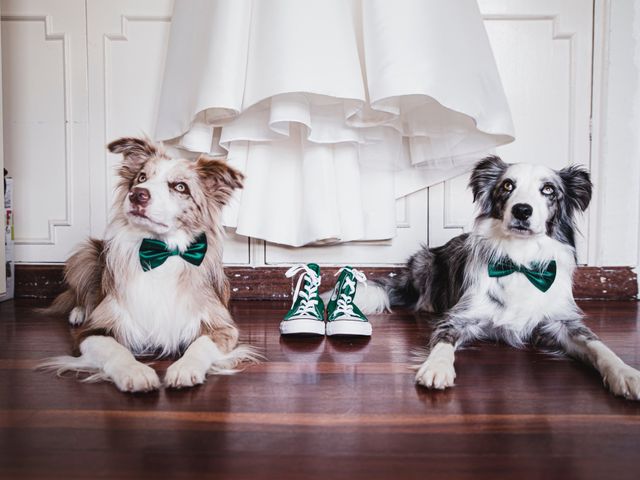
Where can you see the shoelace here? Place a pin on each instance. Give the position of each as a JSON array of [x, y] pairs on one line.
[[309, 292], [345, 300]]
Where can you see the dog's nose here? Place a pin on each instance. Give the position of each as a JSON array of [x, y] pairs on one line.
[[522, 211], [139, 196]]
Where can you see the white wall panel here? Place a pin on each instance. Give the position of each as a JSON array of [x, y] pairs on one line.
[[451, 211], [36, 110], [45, 124]]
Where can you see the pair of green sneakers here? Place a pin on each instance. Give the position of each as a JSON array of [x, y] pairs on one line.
[[306, 315]]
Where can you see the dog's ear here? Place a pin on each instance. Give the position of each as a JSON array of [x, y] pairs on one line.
[[485, 175], [577, 186], [218, 178], [136, 151]]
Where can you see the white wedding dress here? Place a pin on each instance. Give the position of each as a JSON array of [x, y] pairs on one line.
[[332, 108]]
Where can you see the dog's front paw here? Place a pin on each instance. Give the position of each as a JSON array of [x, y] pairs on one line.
[[623, 381], [76, 317], [184, 373], [135, 377], [436, 373]]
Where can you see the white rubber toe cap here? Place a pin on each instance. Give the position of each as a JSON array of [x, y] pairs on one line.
[[349, 327], [302, 326]]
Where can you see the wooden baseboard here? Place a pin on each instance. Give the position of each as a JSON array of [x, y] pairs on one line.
[[269, 283]]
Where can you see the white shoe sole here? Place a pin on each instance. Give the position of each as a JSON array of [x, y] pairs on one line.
[[302, 325], [349, 327]]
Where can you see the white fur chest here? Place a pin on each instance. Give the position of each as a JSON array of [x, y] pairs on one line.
[[512, 302], [157, 312]]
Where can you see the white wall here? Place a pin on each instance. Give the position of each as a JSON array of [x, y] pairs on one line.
[[617, 133], [82, 72]]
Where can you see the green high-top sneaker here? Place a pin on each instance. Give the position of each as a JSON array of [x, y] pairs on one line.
[[343, 315], [306, 315]]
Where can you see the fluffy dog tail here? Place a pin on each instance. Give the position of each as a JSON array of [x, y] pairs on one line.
[[386, 293], [66, 363], [382, 294], [227, 364], [236, 360], [373, 298], [83, 278], [62, 305]]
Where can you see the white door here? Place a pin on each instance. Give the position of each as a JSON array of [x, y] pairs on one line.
[[45, 124]]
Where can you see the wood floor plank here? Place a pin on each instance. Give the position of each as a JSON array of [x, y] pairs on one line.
[[323, 408]]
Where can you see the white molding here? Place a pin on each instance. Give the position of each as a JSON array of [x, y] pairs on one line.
[[405, 221], [448, 222], [67, 221]]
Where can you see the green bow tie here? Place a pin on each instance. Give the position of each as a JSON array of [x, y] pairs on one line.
[[154, 253], [542, 279]]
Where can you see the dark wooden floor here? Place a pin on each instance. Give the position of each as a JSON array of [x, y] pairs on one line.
[[325, 409]]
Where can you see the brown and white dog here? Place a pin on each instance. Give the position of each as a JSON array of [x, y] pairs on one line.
[[123, 307]]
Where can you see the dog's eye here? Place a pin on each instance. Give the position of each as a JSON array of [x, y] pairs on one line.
[[181, 187], [548, 190], [142, 178], [507, 186]]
